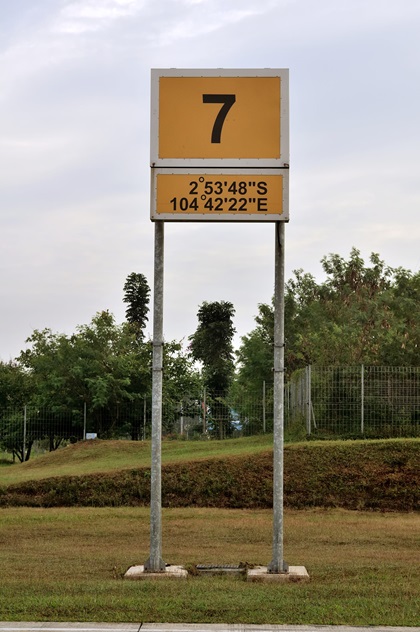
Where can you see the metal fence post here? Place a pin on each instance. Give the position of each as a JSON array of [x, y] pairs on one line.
[[308, 399], [24, 434], [263, 411], [204, 412], [362, 397], [155, 562], [84, 420], [181, 410]]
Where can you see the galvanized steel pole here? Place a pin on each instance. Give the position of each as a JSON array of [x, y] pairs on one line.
[[277, 564], [155, 563]]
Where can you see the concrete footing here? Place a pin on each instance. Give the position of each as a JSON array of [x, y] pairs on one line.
[[261, 574], [138, 572], [257, 574]]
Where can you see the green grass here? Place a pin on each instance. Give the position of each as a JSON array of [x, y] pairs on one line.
[[67, 565], [91, 457]]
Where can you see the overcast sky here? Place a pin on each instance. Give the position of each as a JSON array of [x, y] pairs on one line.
[[74, 150]]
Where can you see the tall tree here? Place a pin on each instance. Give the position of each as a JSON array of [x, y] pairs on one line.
[[136, 295], [212, 345]]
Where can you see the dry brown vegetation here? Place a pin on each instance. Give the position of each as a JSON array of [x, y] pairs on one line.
[[381, 475]]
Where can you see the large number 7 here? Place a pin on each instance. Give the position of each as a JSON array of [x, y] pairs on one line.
[[228, 100]]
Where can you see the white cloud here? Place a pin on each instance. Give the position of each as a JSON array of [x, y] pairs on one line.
[[205, 17], [91, 15]]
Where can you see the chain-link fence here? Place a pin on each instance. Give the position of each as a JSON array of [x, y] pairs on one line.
[[361, 401]]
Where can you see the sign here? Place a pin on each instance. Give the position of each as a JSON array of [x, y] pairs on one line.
[[220, 145], [215, 118], [219, 151], [231, 194]]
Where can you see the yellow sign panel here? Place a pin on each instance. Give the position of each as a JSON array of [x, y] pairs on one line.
[[218, 196], [219, 117]]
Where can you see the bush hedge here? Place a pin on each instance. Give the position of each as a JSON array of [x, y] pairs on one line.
[[377, 475]]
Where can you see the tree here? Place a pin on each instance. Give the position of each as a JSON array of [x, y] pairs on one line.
[[11, 436], [104, 365], [101, 365], [212, 345], [14, 385], [136, 295], [360, 314], [255, 355], [181, 384], [255, 360]]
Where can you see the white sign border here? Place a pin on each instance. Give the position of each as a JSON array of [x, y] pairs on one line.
[[262, 163]]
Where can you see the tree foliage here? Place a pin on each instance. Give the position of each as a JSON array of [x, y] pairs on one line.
[[14, 385], [212, 345], [359, 314], [137, 296], [14, 393], [105, 366]]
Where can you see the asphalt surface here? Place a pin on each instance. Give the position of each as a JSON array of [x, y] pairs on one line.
[[190, 627]]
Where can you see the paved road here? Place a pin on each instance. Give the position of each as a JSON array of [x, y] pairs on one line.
[[190, 627]]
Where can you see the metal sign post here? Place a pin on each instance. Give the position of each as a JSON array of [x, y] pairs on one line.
[[219, 152], [155, 563], [277, 564]]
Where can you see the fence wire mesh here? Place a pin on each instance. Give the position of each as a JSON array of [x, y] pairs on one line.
[[203, 415], [371, 401], [319, 401]]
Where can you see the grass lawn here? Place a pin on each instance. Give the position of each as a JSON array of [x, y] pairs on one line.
[[89, 457], [67, 565]]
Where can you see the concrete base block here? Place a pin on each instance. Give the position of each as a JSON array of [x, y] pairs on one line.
[[138, 572], [261, 574]]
